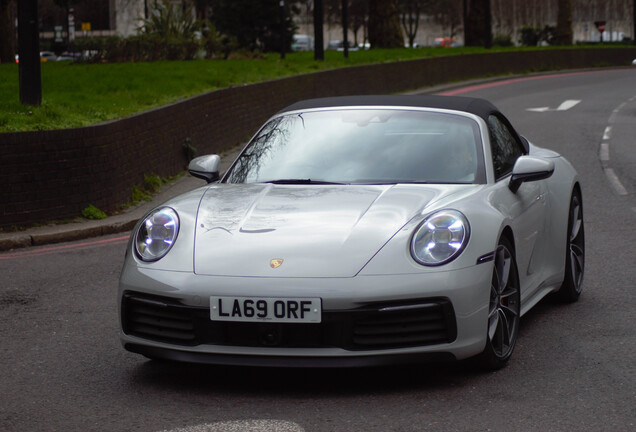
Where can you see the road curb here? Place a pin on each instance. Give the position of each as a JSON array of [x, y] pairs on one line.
[[63, 233]]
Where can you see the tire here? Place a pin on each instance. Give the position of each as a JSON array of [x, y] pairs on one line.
[[503, 311], [574, 253]]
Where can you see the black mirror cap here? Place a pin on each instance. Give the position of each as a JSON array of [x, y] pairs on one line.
[[209, 177], [517, 179]]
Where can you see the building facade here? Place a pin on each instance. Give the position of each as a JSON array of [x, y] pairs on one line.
[[126, 16]]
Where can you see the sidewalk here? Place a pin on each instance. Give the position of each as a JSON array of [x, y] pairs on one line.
[[123, 222]]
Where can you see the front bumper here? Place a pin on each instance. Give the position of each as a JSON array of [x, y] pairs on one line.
[[367, 320]]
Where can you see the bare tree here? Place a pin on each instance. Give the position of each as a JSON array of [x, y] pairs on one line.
[[384, 24], [509, 16], [410, 12], [357, 15], [564, 23], [358, 19], [448, 13]]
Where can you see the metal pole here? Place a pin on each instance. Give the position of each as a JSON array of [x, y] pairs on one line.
[[319, 43], [465, 17], [283, 47], [29, 53], [487, 25], [345, 28]]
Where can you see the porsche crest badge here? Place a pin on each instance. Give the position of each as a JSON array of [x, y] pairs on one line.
[[275, 263]]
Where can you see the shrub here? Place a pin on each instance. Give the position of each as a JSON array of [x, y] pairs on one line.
[[137, 195], [529, 36], [92, 212], [502, 40], [548, 35], [532, 36], [152, 182], [169, 21]]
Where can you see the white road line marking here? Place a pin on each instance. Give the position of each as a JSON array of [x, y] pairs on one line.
[[615, 112], [565, 105], [604, 154], [568, 104], [244, 426], [615, 182], [604, 151]]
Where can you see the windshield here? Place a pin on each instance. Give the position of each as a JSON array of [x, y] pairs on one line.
[[363, 146]]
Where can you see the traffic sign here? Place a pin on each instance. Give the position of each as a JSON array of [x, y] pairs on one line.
[[600, 26]]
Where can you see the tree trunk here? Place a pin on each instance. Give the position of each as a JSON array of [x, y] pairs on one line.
[[564, 23], [7, 32], [384, 24], [477, 23]]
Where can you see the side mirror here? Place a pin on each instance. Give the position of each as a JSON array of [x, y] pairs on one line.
[[205, 167], [527, 169]]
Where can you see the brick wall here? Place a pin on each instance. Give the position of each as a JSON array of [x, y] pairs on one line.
[[55, 174]]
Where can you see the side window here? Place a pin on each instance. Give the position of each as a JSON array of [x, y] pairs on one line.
[[505, 148]]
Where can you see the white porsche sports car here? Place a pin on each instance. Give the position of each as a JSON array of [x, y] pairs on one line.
[[357, 231]]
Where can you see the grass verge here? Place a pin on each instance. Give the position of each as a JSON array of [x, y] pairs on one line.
[[75, 95]]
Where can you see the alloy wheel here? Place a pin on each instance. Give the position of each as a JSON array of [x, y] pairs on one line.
[[576, 245], [504, 310]]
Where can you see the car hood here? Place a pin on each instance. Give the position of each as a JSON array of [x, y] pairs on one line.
[[268, 230]]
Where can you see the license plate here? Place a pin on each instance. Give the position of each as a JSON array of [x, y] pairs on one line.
[[266, 309]]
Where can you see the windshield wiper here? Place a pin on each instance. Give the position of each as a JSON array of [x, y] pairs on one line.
[[302, 181]]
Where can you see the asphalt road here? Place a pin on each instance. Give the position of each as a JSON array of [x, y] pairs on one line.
[[62, 368]]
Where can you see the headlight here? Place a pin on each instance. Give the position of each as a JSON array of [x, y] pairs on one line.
[[157, 234], [440, 238]]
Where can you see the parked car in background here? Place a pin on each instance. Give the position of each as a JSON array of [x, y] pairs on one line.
[[303, 42], [445, 42], [69, 56], [338, 45], [48, 56]]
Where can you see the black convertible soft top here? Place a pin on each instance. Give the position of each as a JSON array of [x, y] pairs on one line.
[[479, 107], [476, 106]]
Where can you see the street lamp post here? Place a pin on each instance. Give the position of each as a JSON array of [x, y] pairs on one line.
[[29, 53], [283, 47], [319, 44]]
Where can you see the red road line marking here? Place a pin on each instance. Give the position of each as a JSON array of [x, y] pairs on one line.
[[53, 249], [515, 80]]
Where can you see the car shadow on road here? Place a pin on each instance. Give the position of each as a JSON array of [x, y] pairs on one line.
[[298, 382]]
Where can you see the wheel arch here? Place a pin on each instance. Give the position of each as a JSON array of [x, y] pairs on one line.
[[576, 188], [509, 235]]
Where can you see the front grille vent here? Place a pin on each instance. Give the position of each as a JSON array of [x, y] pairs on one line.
[[373, 326], [158, 320], [409, 325]]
